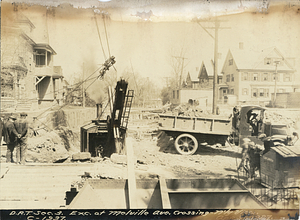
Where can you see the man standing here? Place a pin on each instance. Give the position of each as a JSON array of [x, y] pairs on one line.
[[21, 126], [10, 138], [1, 128], [245, 155]]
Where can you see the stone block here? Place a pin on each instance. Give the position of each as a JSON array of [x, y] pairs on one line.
[[81, 156], [118, 159]]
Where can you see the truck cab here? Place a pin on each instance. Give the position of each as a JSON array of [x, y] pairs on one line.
[[248, 121]]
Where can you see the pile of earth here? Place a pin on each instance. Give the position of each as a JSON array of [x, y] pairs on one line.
[[53, 146], [289, 118]]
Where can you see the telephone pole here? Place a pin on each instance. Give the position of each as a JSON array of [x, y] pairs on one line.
[[276, 62], [215, 63]]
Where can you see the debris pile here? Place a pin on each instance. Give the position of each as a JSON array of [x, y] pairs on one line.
[[289, 119], [191, 110], [51, 147]]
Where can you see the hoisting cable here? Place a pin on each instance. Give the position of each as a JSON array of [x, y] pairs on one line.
[[104, 17], [99, 35], [79, 84]]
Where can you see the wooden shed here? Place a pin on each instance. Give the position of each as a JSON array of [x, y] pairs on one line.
[[280, 167], [93, 138]]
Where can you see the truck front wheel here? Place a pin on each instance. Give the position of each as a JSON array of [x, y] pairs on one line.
[[186, 144]]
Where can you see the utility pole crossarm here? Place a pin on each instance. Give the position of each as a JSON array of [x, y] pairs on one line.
[[206, 30]]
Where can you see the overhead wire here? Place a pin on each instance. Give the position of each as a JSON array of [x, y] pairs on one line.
[[58, 90], [87, 79]]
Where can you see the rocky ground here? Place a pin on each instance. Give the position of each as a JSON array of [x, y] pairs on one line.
[[154, 153]]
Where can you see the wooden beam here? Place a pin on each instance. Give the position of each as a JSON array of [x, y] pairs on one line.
[[38, 80], [131, 174], [164, 193]]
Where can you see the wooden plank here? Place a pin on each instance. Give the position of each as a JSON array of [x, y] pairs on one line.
[[38, 80], [194, 131], [207, 191], [131, 174], [110, 95], [164, 193]]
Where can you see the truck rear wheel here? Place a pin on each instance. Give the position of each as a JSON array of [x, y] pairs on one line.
[[186, 144]]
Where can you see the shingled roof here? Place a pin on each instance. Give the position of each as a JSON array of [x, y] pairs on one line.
[[256, 59]]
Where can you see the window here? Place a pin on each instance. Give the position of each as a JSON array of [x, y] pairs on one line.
[[40, 57], [177, 94], [261, 93], [245, 91], [224, 91], [274, 75], [254, 92], [228, 78], [245, 76], [265, 77], [268, 61], [232, 91], [255, 76], [267, 93], [230, 62], [232, 77], [173, 94], [287, 77]]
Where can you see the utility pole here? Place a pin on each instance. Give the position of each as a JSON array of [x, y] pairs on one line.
[[215, 81], [276, 62], [215, 63]]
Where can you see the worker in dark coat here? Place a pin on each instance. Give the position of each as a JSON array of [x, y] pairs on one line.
[[255, 151], [245, 156], [11, 136], [21, 126], [1, 127]]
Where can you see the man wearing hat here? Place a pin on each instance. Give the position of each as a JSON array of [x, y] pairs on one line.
[[11, 136], [21, 126], [1, 127]]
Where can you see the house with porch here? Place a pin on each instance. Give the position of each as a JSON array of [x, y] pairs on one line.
[[29, 80], [254, 77], [200, 77], [198, 86]]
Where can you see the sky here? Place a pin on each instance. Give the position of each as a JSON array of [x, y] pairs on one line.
[[147, 44]]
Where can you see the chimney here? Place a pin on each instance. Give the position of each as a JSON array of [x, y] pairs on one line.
[[99, 110], [241, 45]]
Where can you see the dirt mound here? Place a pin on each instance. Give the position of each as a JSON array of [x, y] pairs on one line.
[[53, 146], [291, 118]]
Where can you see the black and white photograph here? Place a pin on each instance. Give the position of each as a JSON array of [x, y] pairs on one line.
[[149, 109]]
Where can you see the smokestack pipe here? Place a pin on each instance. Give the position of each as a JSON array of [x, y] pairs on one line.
[[99, 110]]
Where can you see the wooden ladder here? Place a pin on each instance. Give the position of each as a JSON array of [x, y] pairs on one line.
[[127, 108]]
